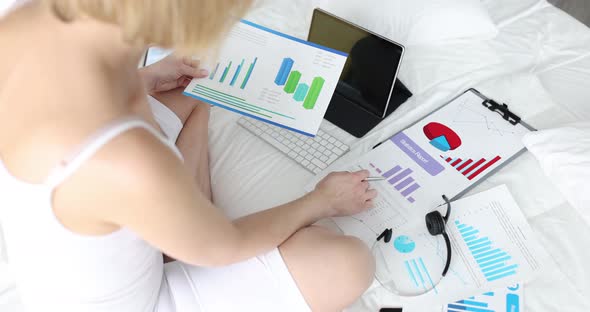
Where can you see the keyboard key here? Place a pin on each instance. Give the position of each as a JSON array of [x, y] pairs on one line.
[[332, 159], [324, 158], [279, 146], [319, 163]]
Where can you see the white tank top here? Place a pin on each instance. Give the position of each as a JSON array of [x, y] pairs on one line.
[[58, 270]]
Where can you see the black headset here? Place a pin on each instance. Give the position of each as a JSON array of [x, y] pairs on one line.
[[436, 224]]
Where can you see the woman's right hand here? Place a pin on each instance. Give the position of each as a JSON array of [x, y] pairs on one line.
[[346, 193]]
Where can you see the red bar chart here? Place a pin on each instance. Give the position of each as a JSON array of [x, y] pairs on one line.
[[471, 168]]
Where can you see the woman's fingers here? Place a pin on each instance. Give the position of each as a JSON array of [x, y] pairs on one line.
[[371, 194], [191, 68]]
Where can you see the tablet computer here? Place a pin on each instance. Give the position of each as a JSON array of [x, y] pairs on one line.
[[373, 64]]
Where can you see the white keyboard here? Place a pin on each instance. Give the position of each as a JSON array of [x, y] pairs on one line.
[[314, 154]]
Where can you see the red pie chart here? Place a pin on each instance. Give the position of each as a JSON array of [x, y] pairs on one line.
[[442, 137]]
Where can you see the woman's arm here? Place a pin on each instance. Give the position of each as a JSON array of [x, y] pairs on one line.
[[159, 201]]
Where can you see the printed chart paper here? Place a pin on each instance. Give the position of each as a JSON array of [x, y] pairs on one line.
[[443, 154], [492, 246], [272, 77], [508, 299]]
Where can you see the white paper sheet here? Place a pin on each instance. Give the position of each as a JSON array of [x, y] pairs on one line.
[[272, 77], [492, 247], [508, 299]]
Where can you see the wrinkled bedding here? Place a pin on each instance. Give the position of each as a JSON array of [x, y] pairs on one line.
[[539, 64]]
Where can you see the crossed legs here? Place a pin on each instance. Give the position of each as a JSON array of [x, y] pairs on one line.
[[330, 269]]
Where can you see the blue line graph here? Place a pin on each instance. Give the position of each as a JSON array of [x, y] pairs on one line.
[[419, 274], [491, 261]]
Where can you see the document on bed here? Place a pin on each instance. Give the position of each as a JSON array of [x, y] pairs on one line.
[[508, 299], [445, 153], [492, 247], [273, 77]]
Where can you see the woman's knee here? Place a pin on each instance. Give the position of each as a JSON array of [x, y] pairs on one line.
[[331, 270], [355, 258]]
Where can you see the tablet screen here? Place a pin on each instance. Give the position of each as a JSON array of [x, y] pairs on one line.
[[372, 66]]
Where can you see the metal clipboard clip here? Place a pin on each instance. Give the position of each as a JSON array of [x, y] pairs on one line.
[[503, 110]]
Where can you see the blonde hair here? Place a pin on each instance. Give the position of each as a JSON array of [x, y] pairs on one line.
[[188, 26]]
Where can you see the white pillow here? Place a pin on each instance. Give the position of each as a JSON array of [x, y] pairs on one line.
[[564, 156], [418, 22]]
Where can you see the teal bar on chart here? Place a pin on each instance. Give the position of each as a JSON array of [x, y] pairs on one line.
[[301, 92], [233, 80]]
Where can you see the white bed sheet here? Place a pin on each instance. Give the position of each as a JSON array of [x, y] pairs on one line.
[[539, 46]]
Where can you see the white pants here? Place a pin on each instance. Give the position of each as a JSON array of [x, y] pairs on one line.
[[260, 284]]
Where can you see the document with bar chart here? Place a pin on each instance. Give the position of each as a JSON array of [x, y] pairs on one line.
[[446, 153], [493, 247], [507, 299], [272, 77]]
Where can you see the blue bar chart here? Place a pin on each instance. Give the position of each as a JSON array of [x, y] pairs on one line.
[[470, 304], [493, 262], [223, 74], [503, 299], [290, 79], [419, 274]]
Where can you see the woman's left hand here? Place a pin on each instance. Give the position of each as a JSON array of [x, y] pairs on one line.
[[170, 73]]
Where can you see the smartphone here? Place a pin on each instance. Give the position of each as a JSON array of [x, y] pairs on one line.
[[390, 310]]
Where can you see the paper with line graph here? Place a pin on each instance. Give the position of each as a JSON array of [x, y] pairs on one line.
[[272, 77], [492, 247], [446, 153]]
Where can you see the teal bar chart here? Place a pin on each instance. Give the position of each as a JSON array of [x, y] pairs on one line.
[[493, 262], [290, 79], [240, 74]]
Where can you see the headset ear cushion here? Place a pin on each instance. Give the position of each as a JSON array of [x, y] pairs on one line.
[[435, 223]]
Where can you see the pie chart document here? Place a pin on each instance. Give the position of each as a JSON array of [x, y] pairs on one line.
[[446, 153]]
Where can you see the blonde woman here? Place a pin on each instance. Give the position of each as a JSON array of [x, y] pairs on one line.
[[97, 179]]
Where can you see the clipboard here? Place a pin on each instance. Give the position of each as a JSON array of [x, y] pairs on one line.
[[502, 109], [481, 136]]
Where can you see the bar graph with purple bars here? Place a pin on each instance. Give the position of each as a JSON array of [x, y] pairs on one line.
[[493, 262], [401, 180]]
